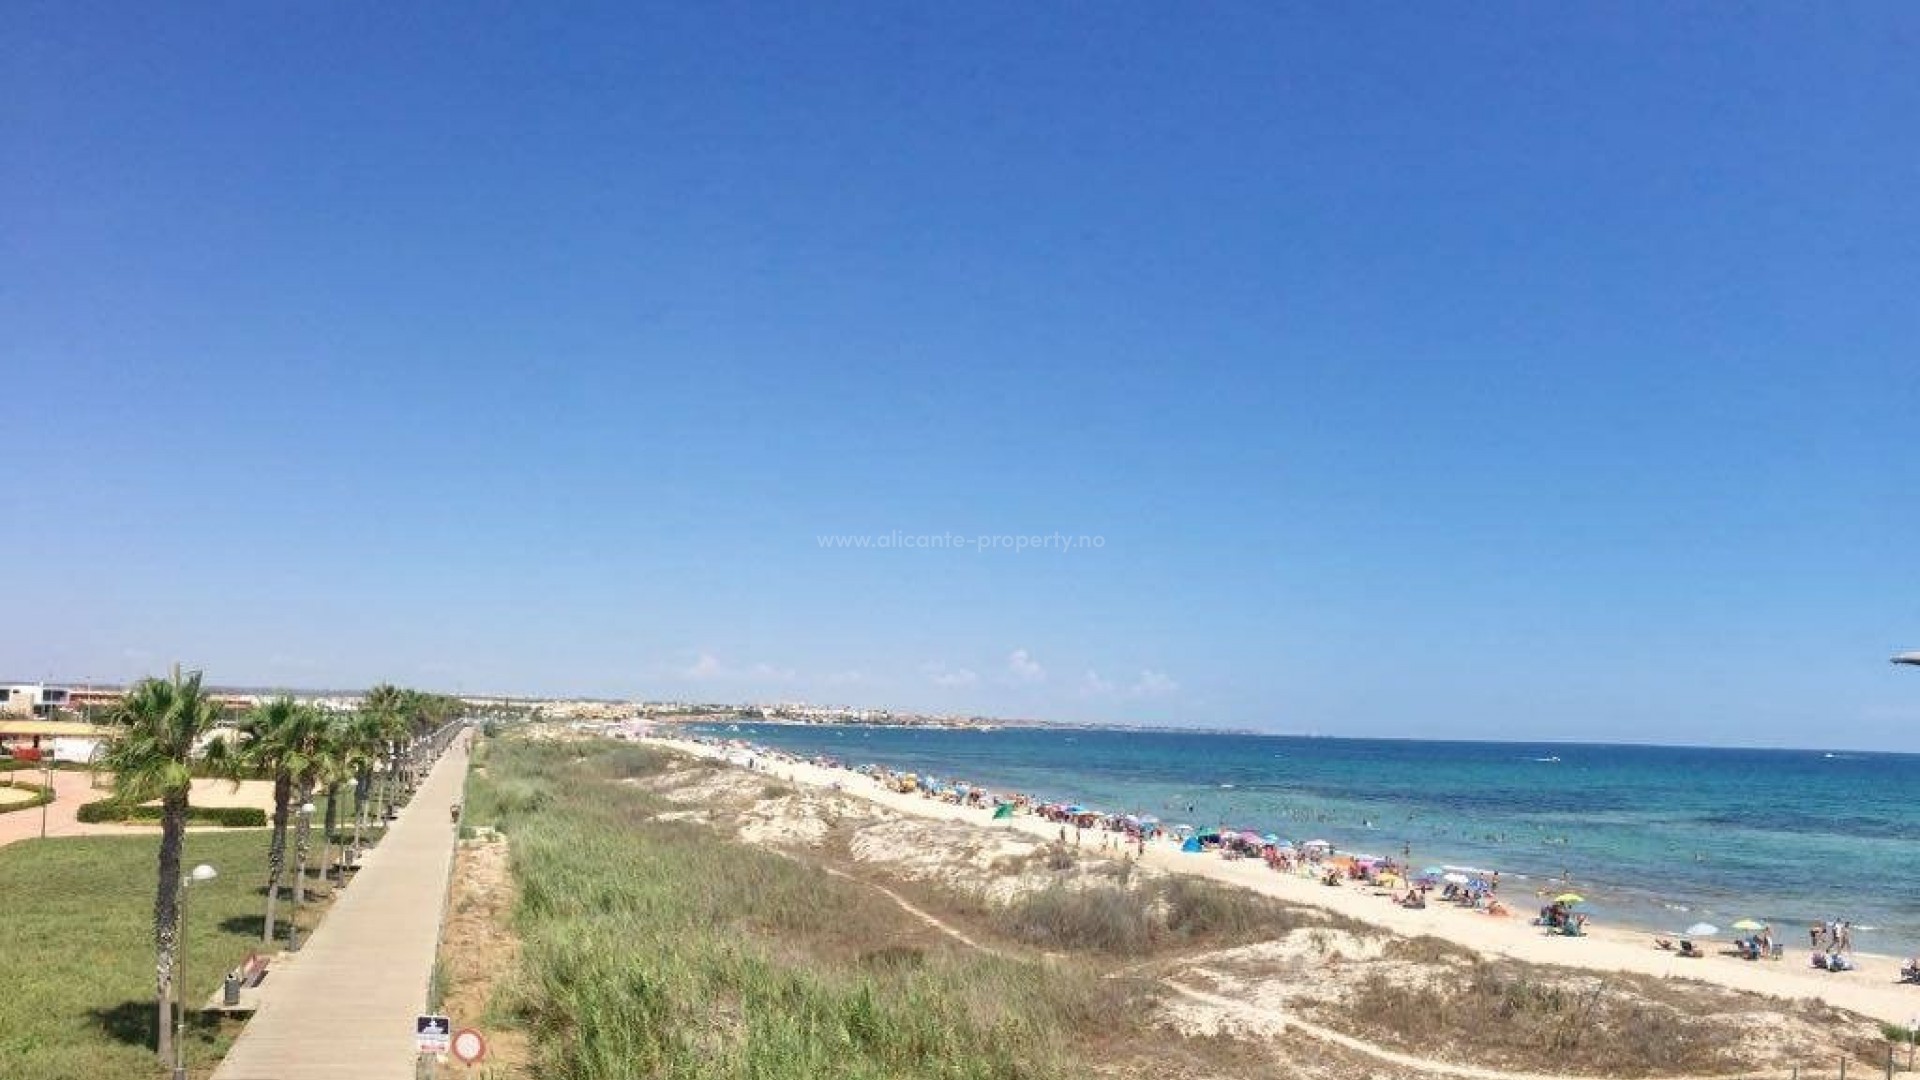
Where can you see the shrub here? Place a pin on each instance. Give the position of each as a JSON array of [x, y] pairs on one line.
[[100, 810], [1100, 918], [41, 797], [231, 817], [1195, 908]]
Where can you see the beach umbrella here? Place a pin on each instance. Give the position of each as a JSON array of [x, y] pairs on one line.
[[1454, 878], [1749, 924], [1569, 898], [1701, 929]]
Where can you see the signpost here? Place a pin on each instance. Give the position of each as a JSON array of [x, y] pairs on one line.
[[469, 1046], [431, 1033]]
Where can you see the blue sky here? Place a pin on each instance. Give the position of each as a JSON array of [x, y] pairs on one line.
[[1427, 373]]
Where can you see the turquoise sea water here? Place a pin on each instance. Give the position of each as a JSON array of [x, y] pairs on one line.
[[1655, 837]]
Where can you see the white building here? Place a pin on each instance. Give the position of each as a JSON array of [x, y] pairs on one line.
[[31, 699]]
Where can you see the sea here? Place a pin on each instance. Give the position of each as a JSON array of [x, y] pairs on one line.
[[1655, 837]]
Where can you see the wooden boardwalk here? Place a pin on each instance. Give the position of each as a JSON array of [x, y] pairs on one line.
[[344, 1005]]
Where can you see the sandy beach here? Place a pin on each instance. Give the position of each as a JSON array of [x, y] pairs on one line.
[[1872, 990]]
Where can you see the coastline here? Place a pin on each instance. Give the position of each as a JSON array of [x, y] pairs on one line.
[[1872, 990]]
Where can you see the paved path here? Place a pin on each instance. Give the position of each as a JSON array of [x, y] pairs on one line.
[[342, 1008], [74, 789]]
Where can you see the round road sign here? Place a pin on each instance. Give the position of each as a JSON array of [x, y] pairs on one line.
[[469, 1046]]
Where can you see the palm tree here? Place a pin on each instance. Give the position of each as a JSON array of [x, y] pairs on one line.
[[392, 705], [161, 723], [280, 736], [337, 761], [365, 737]]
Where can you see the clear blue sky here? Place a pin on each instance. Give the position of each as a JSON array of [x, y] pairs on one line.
[[1459, 372]]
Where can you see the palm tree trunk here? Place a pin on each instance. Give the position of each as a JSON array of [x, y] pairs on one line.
[[303, 836], [277, 848], [362, 788], [326, 834], [166, 914]]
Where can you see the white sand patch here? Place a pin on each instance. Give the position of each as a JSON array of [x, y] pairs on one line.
[[1313, 945], [961, 856], [999, 865], [792, 819], [713, 787]]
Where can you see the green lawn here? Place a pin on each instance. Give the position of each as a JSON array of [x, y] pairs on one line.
[[76, 935]]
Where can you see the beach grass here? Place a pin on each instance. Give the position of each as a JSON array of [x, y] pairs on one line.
[[656, 948], [1516, 1014], [78, 940]]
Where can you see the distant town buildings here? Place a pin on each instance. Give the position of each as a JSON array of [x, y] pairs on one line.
[[31, 699], [59, 721]]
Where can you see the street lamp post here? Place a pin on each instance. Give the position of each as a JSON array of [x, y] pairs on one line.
[[202, 873], [46, 776]]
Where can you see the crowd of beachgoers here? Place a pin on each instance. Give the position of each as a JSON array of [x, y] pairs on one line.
[[1466, 887], [1462, 904]]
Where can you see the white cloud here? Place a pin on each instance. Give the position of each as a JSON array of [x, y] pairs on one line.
[[940, 674], [1150, 684], [710, 668], [846, 678], [1153, 684], [1024, 668]]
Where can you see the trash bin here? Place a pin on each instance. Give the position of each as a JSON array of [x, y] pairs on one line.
[[230, 990]]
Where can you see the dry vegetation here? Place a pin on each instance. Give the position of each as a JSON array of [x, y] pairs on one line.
[[1133, 972], [478, 951]]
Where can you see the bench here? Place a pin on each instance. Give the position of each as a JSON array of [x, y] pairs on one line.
[[254, 971], [251, 974]]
